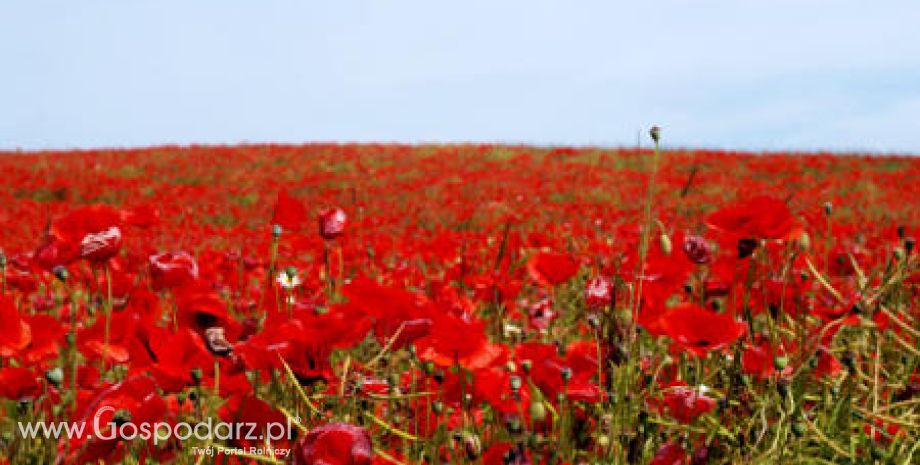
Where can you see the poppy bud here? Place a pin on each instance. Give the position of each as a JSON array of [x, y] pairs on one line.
[[828, 208], [2, 259], [537, 411], [332, 223], [655, 133], [60, 273], [798, 429], [196, 375], [55, 376], [804, 242], [899, 253], [276, 230], [780, 362], [665, 242]]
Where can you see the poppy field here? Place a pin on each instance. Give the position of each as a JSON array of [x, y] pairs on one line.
[[460, 304]]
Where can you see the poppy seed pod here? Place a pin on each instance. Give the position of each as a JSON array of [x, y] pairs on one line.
[[780, 362], [276, 230], [655, 133]]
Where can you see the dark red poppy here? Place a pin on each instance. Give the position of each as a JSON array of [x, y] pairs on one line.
[[700, 331], [172, 270], [332, 223], [758, 217], [551, 269], [334, 444]]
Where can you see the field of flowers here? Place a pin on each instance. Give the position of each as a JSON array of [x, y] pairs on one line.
[[476, 304]]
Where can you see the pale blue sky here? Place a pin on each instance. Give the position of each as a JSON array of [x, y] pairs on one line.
[[733, 74]]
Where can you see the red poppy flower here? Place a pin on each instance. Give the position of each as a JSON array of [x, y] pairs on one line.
[[391, 309], [172, 270], [92, 233], [250, 410], [551, 269], [685, 404], [202, 310], [17, 383], [136, 399], [289, 213], [47, 336], [101, 246], [332, 223], [456, 340], [699, 331], [759, 217], [16, 333], [827, 365], [334, 444]]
